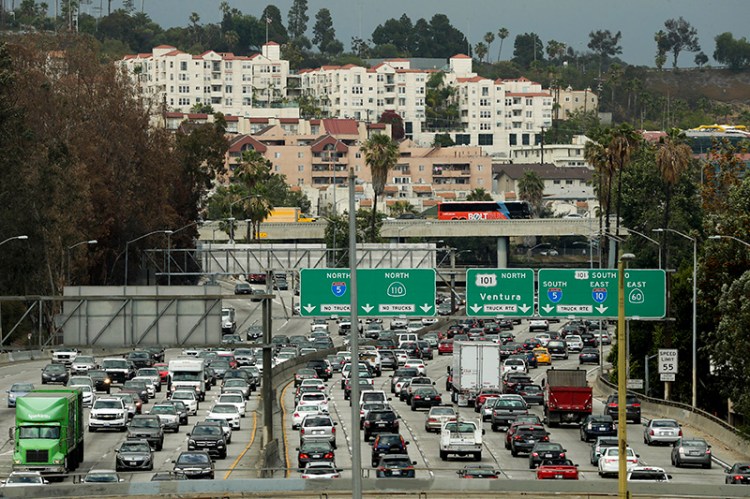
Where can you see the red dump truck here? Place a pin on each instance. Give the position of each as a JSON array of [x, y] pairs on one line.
[[568, 397]]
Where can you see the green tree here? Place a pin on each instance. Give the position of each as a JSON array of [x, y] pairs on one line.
[[396, 32], [489, 37], [481, 51], [531, 189], [662, 46], [733, 53], [701, 59], [401, 207], [527, 48], [479, 194], [556, 50], [681, 37], [324, 33], [381, 155], [502, 34], [255, 175], [297, 19], [605, 44], [277, 32], [441, 108], [443, 140]]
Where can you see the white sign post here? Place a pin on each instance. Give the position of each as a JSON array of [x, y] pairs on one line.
[[667, 364]]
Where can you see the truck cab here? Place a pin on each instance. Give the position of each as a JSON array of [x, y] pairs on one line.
[[228, 320], [188, 373]]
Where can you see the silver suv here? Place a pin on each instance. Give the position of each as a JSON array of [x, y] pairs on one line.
[[317, 427]]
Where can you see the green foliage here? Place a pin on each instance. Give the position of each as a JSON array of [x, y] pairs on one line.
[[733, 53], [680, 37], [527, 49], [440, 103], [479, 194], [325, 34], [434, 38], [605, 44], [531, 189], [381, 154], [443, 140], [297, 19]]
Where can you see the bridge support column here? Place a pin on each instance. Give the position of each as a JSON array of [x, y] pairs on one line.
[[503, 244]]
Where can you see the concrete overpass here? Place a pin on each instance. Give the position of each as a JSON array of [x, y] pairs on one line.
[[400, 229]]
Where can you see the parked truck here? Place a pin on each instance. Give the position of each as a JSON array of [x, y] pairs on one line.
[[48, 435], [568, 397], [189, 372], [288, 214], [476, 365]]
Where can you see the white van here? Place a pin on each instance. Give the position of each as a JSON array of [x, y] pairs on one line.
[[404, 337], [373, 396]]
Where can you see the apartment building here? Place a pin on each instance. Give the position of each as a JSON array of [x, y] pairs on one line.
[[171, 80], [572, 154], [570, 101]]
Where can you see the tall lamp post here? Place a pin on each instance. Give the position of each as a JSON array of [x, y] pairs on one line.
[[622, 390], [695, 310], [90, 242], [127, 247], [20, 238], [644, 236], [719, 236]]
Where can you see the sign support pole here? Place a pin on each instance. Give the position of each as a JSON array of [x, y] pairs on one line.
[[354, 344], [622, 435]]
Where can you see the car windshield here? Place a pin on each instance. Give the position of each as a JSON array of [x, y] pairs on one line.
[[55, 368], [231, 399], [101, 478], [224, 409], [163, 409], [84, 359], [24, 479], [115, 364], [107, 404], [145, 423], [694, 443], [134, 447], [235, 382], [51, 432], [652, 475], [317, 421], [205, 430], [22, 387], [148, 371], [396, 462], [390, 440], [313, 446], [460, 427], [509, 404], [193, 459], [183, 396], [601, 419], [443, 411], [313, 397]]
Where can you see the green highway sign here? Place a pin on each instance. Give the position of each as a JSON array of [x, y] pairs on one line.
[[381, 292], [504, 292], [594, 292]]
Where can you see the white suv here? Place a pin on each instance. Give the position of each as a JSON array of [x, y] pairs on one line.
[[108, 413]]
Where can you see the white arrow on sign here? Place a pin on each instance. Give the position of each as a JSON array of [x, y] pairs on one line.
[[601, 309], [547, 308], [426, 308], [309, 308], [367, 308], [476, 308], [525, 308]]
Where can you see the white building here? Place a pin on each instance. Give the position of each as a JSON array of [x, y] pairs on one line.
[[230, 84]]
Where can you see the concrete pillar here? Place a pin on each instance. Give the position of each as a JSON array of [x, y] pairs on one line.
[[502, 252]]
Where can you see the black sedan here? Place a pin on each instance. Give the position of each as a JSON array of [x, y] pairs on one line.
[[195, 464], [545, 450], [395, 466], [738, 473], [588, 355], [312, 451]]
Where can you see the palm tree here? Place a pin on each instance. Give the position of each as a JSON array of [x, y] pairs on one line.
[[531, 189], [489, 37], [479, 194], [625, 141], [673, 157], [254, 173], [595, 154], [480, 49], [381, 155], [502, 34]]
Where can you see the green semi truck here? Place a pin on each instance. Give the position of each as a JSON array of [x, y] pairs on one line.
[[48, 436]]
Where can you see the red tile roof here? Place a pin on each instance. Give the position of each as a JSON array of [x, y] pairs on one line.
[[271, 43], [232, 118], [460, 56], [421, 188], [258, 120], [319, 145], [197, 116], [246, 142], [289, 121], [341, 126], [390, 189], [447, 195]]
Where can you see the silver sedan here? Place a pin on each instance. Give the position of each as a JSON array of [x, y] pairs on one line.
[[666, 431]]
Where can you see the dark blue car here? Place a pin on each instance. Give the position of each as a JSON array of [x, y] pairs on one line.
[[597, 426]]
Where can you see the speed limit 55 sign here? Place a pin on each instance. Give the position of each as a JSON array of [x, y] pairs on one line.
[[667, 363]]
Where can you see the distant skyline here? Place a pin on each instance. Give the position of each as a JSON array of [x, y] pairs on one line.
[[567, 21]]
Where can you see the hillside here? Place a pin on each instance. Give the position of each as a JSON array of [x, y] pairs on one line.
[[721, 85]]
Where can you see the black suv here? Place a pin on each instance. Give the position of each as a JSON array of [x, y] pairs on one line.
[[632, 408], [134, 455], [147, 427], [321, 368], [378, 422], [208, 436], [101, 380], [387, 443], [526, 437], [424, 396], [598, 426], [140, 358]]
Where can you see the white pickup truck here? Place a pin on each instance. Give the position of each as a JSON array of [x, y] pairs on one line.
[[461, 438]]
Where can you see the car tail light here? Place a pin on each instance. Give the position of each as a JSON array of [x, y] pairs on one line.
[[562, 455], [301, 431], [333, 430], [417, 397], [545, 439], [614, 404], [679, 433], [438, 398], [737, 477], [535, 454], [328, 455], [395, 424], [367, 423], [636, 405], [303, 456], [708, 451], [381, 468], [517, 437], [431, 420], [651, 432]]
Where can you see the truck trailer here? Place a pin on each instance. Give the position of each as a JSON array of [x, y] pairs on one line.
[[568, 397], [476, 365], [49, 430]]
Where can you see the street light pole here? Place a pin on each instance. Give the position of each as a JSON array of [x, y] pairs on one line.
[[127, 247], [718, 236], [657, 243], [169, 248], [622, 436], [695, 311], [70, 248], [20, 238]]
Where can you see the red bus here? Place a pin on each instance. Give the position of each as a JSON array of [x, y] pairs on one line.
[[473, 210]]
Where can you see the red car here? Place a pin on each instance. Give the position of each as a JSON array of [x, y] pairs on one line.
[[257, 278], [445, 347], [163, 372], [557, 469], [483, 395]]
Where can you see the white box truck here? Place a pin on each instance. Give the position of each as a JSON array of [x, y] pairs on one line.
[[476, 365], [189, 372]]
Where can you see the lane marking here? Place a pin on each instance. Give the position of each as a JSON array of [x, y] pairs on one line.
[[247, 448]]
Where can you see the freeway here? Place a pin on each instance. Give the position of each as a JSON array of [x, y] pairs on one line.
[[424, 446]]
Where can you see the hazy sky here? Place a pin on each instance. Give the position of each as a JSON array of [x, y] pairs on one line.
[[567, 21]]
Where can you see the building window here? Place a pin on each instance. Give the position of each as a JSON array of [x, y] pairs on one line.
[[525, 139], [277, 155], [485, 139], [463, 139], [300, 168], [568, 182]]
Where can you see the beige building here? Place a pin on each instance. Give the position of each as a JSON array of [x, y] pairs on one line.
[[570, 101]]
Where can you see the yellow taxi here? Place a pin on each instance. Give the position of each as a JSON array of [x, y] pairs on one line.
[[542, 356]]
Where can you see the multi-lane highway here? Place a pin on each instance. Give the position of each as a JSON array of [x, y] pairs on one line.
[[244, 451]]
